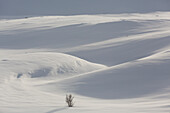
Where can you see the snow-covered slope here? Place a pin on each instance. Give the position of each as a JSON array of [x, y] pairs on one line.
[[138, 78], [111, 63], [45, 64]]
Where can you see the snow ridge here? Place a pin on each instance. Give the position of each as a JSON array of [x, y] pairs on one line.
[[44, 58]]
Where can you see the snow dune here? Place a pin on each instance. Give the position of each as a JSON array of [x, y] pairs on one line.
[[111, 63], [147, 76], [49, 22], [45, 64]]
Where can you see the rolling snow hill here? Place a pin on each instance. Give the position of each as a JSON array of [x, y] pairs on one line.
[[109, 62]]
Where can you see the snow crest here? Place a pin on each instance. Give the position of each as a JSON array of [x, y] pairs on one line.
[[46, 64]]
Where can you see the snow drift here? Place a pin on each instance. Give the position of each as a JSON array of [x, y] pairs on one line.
[[44, 58], [46, 64]]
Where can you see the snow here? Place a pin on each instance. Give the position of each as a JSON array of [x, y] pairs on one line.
[[109, 62]]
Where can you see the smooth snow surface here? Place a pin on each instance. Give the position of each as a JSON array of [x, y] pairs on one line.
[[111, 63]]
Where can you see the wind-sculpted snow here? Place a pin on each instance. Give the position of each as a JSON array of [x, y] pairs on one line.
[[138, 78], [45, 64], [49, 22], [44, 58]]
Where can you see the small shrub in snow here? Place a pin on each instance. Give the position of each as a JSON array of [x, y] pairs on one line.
[[69, 100]]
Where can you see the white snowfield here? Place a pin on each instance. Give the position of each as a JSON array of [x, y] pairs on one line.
[[114, 63]]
